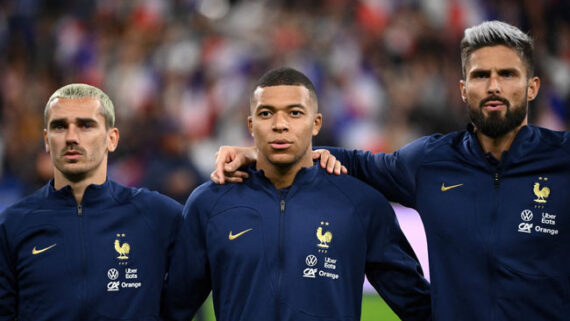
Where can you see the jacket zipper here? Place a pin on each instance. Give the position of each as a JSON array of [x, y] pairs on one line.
[[83, 264], [280, 273], [497, 184]]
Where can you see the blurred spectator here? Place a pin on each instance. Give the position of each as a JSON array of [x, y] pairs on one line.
[[168, 168], [180, 72]]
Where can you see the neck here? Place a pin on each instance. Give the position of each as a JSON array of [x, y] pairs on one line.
[[78, 186], [282, 176], [497, 145]]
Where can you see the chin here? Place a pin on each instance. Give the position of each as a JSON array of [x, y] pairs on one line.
[[72, 169], [281, 160], [499, 114]]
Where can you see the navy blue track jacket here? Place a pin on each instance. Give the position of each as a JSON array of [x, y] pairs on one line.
[[498, 232], [295, 254], [102, 260]]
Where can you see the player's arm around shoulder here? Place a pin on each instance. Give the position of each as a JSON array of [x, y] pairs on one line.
[[393, 174], [391, 264]]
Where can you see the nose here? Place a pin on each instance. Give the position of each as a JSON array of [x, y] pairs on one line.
[[494, 85], [71, 136], [280, 122]]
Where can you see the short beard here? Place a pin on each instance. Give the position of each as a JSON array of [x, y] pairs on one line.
[[495, 126], [75, 177]]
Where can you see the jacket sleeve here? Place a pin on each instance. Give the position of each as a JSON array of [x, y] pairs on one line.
[[392, 266], [174, 231], [8, 284], [391, 174], [188, 282]]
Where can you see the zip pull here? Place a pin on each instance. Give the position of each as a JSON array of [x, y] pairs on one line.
[[496, 179], [282, 206], [79, 210]]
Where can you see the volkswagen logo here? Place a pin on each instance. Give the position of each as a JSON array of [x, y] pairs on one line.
[[311, 260], [113, 274], [526, 215]]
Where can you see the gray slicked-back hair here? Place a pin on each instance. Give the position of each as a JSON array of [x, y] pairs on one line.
[[81, 91], [493, 33]]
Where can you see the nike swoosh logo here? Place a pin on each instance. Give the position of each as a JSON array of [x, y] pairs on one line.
[[447, 188], [34, 251], [235, 236]]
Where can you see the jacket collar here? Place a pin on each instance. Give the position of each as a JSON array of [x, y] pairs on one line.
[[525, 141], [303, 177], [94, 194]]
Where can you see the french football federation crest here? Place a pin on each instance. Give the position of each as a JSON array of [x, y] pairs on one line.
[[541, 192], [324, 238], [122, 249]]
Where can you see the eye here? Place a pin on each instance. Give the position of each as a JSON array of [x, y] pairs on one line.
[[507, 74], [480, 75], [264, 113], [87, 124], [296, 113], [58, 126]]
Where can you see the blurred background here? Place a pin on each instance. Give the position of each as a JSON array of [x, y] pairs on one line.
[[180, 73]]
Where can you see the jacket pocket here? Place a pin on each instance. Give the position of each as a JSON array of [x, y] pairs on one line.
[[525, 296]]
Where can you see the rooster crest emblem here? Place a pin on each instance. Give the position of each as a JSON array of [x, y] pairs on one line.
[[325, 238], [541, 193], [122, 249]]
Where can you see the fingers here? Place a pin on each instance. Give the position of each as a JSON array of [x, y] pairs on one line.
[[233, 164], [218, 174], [216, 178], [238, 174], [324, 155], [337, 168], [224, 155], [332, 164], [234, 180], [325, 159], [228, 177], [228, 160], [329, 162], [316, 154]]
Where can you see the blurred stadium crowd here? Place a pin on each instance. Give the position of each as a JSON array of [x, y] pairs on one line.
[[180, 73]]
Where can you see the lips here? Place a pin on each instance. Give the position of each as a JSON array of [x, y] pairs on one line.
[[280, 144], [72, 154], [494, 103]]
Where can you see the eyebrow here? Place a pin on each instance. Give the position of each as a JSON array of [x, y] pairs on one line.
[[286, 107], [483, 70], [61, 121], [57, 122]]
